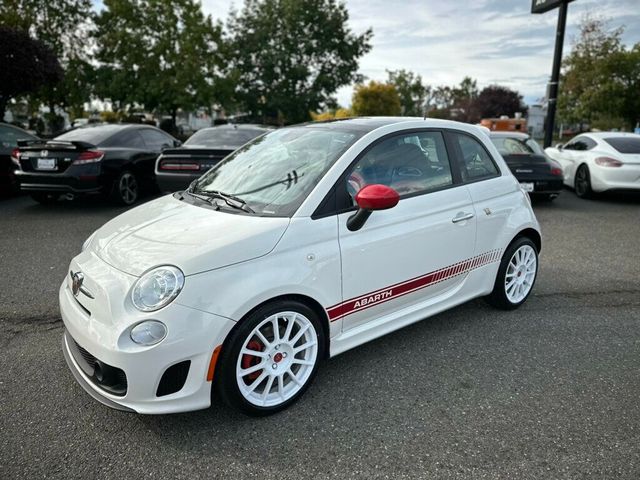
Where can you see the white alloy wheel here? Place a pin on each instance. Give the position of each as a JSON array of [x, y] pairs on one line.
[[277, 359], [520, 274]]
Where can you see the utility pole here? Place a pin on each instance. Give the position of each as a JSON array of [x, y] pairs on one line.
[[541, 6]]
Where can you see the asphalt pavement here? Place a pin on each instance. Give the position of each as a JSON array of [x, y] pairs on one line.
[[549, 391]]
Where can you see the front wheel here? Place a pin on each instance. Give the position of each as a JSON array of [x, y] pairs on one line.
[[270, 360], [516, 275]]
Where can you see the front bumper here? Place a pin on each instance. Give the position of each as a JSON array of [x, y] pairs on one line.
[[101, 330]]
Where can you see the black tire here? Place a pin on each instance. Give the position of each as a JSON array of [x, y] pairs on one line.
[[498, 297], [225, 379], [125, 189], [582, 182], [45, 198]]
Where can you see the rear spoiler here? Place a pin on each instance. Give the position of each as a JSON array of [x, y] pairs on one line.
[[75, 145]]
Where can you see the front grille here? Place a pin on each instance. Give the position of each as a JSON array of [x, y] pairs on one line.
[[173, 378], [110, 379], [90, 359]]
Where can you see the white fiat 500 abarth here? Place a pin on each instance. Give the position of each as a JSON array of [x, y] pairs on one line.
[[302, 244]]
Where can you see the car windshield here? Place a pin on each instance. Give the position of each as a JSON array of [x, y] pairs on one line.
[[220, 137], [515, 146], [624, 144], [93, 135], [276, 172]]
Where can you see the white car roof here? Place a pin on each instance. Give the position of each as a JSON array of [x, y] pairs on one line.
[[603, 135]]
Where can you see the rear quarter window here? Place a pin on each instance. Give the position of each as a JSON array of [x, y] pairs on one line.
[[625, 144], [476, 163], [9, 137]]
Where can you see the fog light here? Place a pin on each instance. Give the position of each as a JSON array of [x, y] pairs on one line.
[[148, 332]]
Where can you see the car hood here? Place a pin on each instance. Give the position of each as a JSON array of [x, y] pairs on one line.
[[168, 231]]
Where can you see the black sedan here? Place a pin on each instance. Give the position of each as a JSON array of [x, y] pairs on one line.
[[177, 168], [538, 174], [115, 160], [9, 136]]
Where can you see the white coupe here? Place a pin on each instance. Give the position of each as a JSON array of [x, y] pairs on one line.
[[306, 242], [599, 162]]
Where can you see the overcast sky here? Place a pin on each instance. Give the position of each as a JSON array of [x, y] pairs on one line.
[[493, 41]]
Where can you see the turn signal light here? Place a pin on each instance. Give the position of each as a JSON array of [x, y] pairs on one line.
[[608, 162], [90, 156]]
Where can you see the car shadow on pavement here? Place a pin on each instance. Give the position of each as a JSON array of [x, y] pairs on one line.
[[355, 379]]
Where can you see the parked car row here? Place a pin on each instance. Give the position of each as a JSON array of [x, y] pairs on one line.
[[590, 163], [119, 161], [122, 161]]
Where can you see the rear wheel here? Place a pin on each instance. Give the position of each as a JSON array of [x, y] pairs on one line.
[[45, 198], [516, 275], [271, 359], [125, 189], [583, 182]]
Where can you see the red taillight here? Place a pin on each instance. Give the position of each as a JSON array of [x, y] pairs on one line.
[[15, 156], [608, 162], [182, 166], [89, 156], [556, 171]]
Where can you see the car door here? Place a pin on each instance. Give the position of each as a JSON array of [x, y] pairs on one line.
[[415, 253], [493, 194], [572, 155]]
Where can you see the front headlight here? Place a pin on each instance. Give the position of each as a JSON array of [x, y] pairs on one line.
[[157, 288]]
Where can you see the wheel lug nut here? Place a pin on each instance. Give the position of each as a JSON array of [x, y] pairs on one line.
[[274, 366], [284, 355], [277, 347]]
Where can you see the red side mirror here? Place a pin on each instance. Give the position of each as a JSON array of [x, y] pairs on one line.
[[370, 198], [377, 197]]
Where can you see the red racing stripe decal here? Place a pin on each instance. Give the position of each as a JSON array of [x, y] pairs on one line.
[[409, 286]]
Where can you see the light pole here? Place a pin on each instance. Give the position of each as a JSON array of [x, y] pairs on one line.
[[541, 6]]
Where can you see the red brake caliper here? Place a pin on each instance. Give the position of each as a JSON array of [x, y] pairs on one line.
[[251, 360]]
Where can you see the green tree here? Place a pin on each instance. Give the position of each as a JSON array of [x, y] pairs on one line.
[[464, 98], [27, 65], [376, 99], [288, 57], [157, 53], [414, 95], [494, 101], [65, 26], [601, 78]]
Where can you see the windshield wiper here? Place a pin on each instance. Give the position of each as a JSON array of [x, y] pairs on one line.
[[229, 199]]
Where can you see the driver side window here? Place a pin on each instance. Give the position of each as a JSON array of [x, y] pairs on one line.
[[410, 164]]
